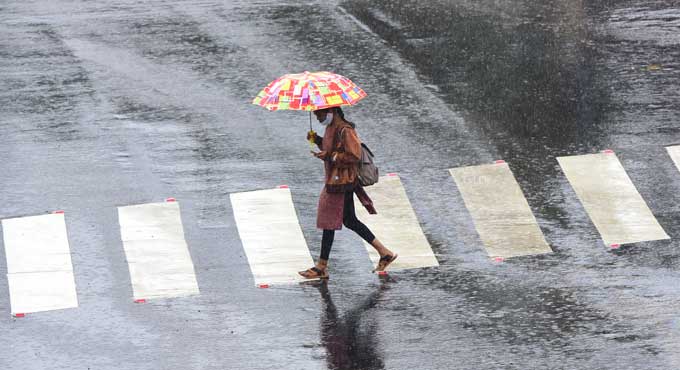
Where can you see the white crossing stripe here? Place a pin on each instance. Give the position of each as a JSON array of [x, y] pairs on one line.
[[674, 152], [395, 225], [157, 254], [271, 235], [39, 268], [499, 210], [610, 198]]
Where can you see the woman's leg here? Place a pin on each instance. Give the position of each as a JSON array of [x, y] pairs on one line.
[[350, 220], [319, 269], [326, 244]]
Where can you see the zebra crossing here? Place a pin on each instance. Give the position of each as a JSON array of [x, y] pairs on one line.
[[157, 254], [39, 268], [40, 272], [500, 211], [397, 225], [611, 199], [271, 235]]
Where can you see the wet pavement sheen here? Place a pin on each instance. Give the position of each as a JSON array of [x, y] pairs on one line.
[[109, 104]]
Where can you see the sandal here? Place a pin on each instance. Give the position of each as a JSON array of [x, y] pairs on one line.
[[385, 261], [314, 273]]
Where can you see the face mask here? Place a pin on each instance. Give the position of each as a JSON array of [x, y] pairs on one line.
[[327, 121]]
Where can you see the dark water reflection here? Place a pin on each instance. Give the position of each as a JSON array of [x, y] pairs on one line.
[[350, 338], [532, 74]]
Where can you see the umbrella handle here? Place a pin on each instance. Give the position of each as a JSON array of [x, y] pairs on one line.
[[311, 139]]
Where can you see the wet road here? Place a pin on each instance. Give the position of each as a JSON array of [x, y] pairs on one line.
[[106, 104]]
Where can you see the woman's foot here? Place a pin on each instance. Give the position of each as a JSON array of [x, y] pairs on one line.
[[385, 261], [314, 273]]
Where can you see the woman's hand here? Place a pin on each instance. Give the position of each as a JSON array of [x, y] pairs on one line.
[[323, 155], [311, 135]]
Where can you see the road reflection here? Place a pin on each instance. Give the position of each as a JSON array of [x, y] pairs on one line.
[[529, 73], [351, 339]]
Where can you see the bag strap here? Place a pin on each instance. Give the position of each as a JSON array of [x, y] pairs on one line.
[[338, 138], [367, 149]]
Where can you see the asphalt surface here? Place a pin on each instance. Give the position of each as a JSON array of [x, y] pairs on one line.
[[108, 104]]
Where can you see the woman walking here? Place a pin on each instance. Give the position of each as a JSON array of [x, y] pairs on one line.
[[341, 151]]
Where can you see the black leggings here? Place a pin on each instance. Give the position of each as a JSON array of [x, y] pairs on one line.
[[350, 220]]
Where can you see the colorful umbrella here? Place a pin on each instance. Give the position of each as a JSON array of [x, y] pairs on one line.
[[309, 91]]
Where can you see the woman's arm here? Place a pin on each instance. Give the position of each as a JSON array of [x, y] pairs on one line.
[[352, 153]]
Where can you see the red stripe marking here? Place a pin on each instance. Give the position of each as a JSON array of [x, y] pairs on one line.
[[608, 151], [263, 286], [140, 300], [615, 246], [170, 200], [391, 174], [500, 161], [282, 187], [59, 212], [382, 273], [499, 259], [19, 315]]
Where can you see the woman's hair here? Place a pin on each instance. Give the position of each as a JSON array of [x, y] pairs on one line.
[[340, 113]]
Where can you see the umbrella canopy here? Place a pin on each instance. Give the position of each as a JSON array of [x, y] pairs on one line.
[[309, 91]]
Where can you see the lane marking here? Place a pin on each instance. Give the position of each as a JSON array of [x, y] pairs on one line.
[[271, 236], [157, 253], [674, 152], [395, 225], [500, 211], [611, 199], [39, 268]]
